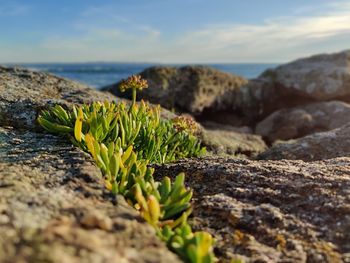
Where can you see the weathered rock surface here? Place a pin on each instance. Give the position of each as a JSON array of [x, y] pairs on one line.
[[317, 146], [23, 93], [53, 207], [226, 140], [161, 87], [191, 89], [297, 122], [271, 211], [217, 96], [319, 77]]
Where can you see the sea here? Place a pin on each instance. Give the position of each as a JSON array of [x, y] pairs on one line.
[[98, 75]]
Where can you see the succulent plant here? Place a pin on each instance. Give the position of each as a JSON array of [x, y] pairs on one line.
[[192, 247], [123, 140], [154, 139]]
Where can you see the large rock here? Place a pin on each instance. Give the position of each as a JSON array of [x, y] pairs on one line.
[[213, 95], [192, 89], [227, 140], [318, 78], [23, 93], [160, 90], [53, 207], [297, 122], [271, 211], [317, 146]]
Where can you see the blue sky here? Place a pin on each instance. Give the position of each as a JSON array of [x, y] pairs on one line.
[[171, 31]]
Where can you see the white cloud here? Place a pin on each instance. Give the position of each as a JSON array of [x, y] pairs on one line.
[[103, 35], [268, 41]]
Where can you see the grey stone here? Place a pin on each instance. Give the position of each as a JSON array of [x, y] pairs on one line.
[[198, 90], [299, 121], [271, 211], [54, 208], [317, 146]]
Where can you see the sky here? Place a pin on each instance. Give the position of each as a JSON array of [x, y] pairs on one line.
[[171, 31]]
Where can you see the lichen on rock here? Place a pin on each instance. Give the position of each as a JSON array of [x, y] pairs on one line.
[[53, 207], [271, 211]]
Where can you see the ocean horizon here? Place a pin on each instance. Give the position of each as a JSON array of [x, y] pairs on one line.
[[100, 74]]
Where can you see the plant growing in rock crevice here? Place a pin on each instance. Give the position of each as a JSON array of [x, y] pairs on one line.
[[154, 139], [123, 140]]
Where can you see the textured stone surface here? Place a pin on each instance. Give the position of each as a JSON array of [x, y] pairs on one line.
[[221, 97], [226, 140], [271, 211], [319, 77], [297, 122], [23, 93], [53, 208], [192, 89], [317, 146]]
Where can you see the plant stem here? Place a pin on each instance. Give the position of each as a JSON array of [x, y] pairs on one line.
[[133, 96]]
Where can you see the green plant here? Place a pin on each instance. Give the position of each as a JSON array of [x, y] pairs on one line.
[[165, 205], [194, 247], [123, 140], [154, 139]]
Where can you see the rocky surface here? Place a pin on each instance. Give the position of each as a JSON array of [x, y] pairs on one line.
[[271, 211], [161, 86], [23, 93], [191, 89], [53, 207], [227, 140], [217, 96], [318, 146], [319, 77], [297, 122]]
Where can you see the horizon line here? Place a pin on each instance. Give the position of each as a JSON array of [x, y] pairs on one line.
[[139, 62]]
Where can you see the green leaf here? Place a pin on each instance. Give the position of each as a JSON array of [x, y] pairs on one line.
[[78, 126], [114, 165], [53, 127]]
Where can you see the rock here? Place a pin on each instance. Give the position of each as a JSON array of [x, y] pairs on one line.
[[317, 146], [318, 78], [297, 122], [53, 207], [226, 140], [191, 89], [216, 96], [24, 93], [271, 211], [160, 86], [216, 126]]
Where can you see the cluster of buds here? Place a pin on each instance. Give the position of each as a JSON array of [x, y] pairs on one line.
[[185, 123], [133, 82]]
